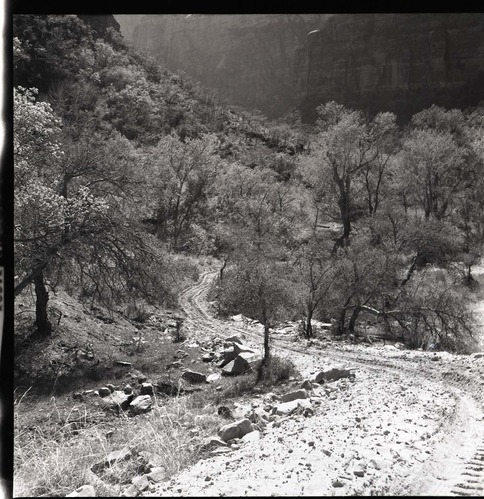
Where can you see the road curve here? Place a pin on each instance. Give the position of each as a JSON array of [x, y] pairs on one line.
[[456, 466]]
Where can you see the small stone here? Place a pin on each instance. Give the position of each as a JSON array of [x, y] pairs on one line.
[[141, 482], [208, 478], [359, 473], [104, 391], [140, 404], [194, 377], [147, 389], [83, 491], [157, 474], [337, 483]]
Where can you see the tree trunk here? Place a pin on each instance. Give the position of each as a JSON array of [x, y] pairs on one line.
[[42, 322], [353, 318], [309, 327]]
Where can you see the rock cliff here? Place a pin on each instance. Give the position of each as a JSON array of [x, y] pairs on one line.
[[397, 62], [400, 62], [248, 58]]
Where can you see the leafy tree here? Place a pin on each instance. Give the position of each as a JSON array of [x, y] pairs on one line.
[[183, 173], [60, 222]]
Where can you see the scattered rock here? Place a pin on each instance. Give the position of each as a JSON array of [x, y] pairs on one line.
[[337, 483], [168, 388], [359, 473], [237, 338], [287, 408], [228, 355], [333, 375], [157, 474], [104, 391], [117, 401], [147, 389], [297, 394], [194, 377], [240, 348], [130, 491], [306, 385], [115, 456], [83, 491], [213, 377], [140, 404], [236, 429], [141, 482], [242, 363], [213, 441], [253, 436]]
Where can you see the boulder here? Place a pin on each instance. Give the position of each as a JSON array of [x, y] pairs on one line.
[[297, 394], [147, 389], [117, 401], [157, 474], [244, 362], [168, 388], [236, 338], [213, 377], [113, 457], [332, 375], [83, 491], [194, 377], [253, 436], [237, 429], [477, 355], [287, 408], [307, 385], [213, 441], [111, 387], [140, 404], [207, 357], [141, 482], [104, 391], [259, 414], [228, 355], [240, 348]]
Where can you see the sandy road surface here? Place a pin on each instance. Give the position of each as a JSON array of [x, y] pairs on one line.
[[410, 424]]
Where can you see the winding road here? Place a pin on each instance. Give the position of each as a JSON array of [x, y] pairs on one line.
[[411, 391]]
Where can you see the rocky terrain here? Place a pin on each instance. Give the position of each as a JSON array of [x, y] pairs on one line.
[[389, 421], [358, 419]]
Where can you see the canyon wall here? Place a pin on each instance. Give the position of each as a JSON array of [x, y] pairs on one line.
[[274, 62], [248, 58], [396, 62]]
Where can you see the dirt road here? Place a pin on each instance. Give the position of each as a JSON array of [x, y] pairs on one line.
[[410, 424]]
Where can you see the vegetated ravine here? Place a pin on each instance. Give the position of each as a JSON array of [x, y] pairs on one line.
[[446, 460]]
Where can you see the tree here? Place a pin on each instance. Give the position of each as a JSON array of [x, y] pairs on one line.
[[350, 156], [182, 178], [63, 221]]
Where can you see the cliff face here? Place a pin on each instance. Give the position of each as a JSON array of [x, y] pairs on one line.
[[396, 62], [248, 58]]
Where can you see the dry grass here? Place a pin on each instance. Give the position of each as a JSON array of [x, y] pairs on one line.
[[55, 460]]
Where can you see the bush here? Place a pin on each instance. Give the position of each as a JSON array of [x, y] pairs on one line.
[[276, 370]]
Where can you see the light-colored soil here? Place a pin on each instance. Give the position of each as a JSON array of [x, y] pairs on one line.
[[411, 423]]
